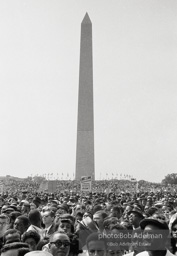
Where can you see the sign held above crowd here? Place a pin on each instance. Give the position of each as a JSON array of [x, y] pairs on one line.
[[86, 183]]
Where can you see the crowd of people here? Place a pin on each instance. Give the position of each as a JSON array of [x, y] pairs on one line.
[[15, 185], [123, 220]]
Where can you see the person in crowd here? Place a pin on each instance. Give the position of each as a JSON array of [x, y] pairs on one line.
[[96, 245], [155, 237], [48, 221], [79, 208], [62, 209], [116, 231], [79, 216], [87, 214], [127, 208], [89, 206], [13, 216], [32, 206], [173, 231], [25, 208], [32, 238], [59, 244], [21, 223], [99, 218], [117, 211], [37, 201], [135, 217], [66, 226], [36, 221]]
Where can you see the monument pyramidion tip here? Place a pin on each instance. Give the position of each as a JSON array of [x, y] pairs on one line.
[[86, 19]]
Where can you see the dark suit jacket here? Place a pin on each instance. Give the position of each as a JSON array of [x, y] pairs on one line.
[[51, 230]]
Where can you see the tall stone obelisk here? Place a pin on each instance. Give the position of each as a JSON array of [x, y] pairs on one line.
[[85, 163]]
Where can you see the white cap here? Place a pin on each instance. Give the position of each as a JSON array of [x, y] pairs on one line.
[[38, 253]]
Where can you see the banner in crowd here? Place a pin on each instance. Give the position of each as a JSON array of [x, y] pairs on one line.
[[86, 183]]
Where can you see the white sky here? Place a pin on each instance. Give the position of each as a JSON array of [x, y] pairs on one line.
[[135, 86]]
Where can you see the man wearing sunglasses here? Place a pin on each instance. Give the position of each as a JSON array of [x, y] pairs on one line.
[[59, 244], [48, 221]]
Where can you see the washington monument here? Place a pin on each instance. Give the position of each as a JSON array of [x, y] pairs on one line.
[[85, 164]]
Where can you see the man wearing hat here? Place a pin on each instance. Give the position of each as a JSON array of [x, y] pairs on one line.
[[155, 237], [135, 216], [7, 209], [37, 201]]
